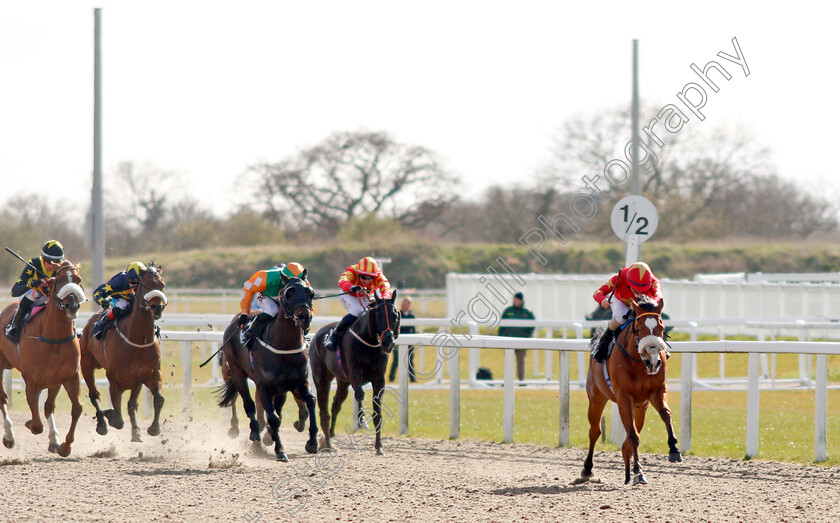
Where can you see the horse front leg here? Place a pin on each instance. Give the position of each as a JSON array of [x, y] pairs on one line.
[[114, 414], [132, 413], [49, 415], [359, 396], [323, 388], [309, 401], [303, 410], [273, 420], [378, 389], [73, 388], [660, 404], [8, 433], [88, 365], [155, 384], [34, 424], [630, 448]]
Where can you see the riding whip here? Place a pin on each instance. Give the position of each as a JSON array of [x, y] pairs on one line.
[[36, 269], [222, 346]]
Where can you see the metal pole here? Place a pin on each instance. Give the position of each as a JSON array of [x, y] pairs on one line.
[[96, 208], [634, 252]]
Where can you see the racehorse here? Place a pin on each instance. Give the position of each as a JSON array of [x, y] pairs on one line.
[[47, 357], [277, 364], [632, 377], [130, 355], [361, 358]]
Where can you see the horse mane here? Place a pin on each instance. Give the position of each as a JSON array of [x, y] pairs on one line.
[[646, 303], [153, 268]]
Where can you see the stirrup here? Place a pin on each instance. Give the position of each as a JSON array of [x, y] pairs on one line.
[[328, 340]]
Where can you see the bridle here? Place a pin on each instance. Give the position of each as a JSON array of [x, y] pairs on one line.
[[288, 312], [53, 294], [379, 336]]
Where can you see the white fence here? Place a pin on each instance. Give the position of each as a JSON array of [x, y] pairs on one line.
[[570, 296]]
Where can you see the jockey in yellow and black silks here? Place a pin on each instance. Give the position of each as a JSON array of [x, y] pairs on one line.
[[358, 281], [116, 296], [33, 286], [265, 285]]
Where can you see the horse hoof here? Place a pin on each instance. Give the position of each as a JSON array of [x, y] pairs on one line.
[[332, 433], [101, 428], [255, 436], [585, 478], [135, 437], [639, 479], [267, 439], [35, 429], [379, 452], [674, 457], [233, 432], [322, 442], [153, 430], [311, 447], [8, 443], [281, 456], [53, 447], [299, 426], [64, 450]]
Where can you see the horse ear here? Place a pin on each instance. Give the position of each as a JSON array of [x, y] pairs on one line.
[[284, 278], [635, 305], [394, 297], [303, 274], [660, 306]]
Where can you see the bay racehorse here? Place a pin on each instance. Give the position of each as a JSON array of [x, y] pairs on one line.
[[633, 376], [47, 357], [361, 358], [130, 354], [277, 364]]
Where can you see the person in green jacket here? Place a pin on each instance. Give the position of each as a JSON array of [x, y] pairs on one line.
[[517, 311]]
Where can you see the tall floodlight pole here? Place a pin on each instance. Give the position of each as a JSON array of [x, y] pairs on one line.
[[637, 183], [96, 210]]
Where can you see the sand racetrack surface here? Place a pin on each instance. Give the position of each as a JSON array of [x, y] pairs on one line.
[[196, 473]]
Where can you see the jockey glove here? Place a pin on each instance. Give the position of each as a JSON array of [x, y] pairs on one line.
[[356, 288], [34, 283], [243, 319]]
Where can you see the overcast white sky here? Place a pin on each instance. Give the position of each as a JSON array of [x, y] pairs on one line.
[[207, 88]]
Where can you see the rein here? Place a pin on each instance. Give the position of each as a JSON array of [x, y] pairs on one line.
[[636, 335]]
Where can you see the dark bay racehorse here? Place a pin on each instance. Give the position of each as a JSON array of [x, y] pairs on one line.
[[361, 359], [130, 355], [634, 377], [47, 357], [277, 364]]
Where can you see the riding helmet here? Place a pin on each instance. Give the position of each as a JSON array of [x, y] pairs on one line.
[[133, 271], [639, 276], [53, 250]]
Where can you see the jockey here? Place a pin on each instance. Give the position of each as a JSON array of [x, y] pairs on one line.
[[618, 294], [358, 281], [266, 285], [119, 292], [34, 286]]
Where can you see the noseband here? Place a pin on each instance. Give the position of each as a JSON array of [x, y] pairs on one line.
[[54, 295], [289, 313]]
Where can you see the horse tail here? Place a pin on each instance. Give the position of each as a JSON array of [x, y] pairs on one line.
[[226, 393]]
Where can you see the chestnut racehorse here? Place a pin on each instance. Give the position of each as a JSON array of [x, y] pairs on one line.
[[634, 377], [130, 355], [47, 357]]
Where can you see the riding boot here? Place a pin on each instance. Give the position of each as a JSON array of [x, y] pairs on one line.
[[601, 350], [13, 328], [333, 341], [103, 323], [252, 331]]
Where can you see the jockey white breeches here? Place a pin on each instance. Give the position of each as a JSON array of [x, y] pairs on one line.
[[119, 303], [267, 305], [619, 309], [354, 305], [37, 298]]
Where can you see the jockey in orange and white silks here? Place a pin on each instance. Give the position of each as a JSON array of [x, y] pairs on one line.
[[359, 281], [618, 293], [266, 286]]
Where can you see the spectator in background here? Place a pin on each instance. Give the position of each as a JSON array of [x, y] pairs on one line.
[[405, 312], [517, 311]]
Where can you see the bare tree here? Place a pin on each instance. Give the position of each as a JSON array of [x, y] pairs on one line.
[[143, 195], [353, 174]]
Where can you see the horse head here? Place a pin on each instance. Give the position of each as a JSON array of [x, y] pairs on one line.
[[67, 289], [649, 329], [385, 320], [150, 290], [296, 299]]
